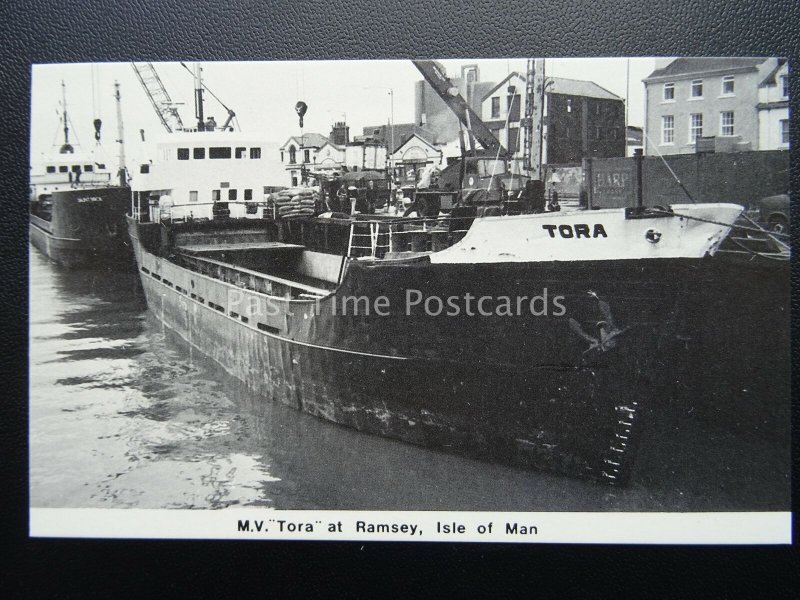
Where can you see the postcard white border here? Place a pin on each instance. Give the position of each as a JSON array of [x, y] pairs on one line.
[[768, 528]]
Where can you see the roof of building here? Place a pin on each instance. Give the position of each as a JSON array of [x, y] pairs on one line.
[[402, 132], [309, 140], [692, 66], [559, 85], [314, 140], [579, 87], [770, 79]]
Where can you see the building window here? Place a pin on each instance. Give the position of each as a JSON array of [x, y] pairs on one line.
[[696, 89], [215, 196], [726, 123], [231, 194], [248, 194], [695, 127], [63, 169], [294, 181], [193, 196], [199, 153], [785, 86], [496, 107], [255, 153], [669, 92], [183, 154], [219, 152], [51, 169], [144, 169], [727, 85], [292, 155], [76, 168], [784, 131], [241, 152], [88, 168], [282, 159], [307, 156], [668, 129]]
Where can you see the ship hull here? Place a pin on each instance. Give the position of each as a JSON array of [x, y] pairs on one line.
[[539, 390], [84, 228]]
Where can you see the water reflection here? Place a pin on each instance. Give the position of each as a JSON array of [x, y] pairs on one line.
[[123, 415]]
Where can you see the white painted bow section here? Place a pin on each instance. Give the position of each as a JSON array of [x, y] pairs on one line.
[[593, 235]]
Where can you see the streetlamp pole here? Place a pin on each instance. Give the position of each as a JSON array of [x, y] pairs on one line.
[[391, 119]]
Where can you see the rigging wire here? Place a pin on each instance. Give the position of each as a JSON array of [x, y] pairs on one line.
[[213, 95], [666, 164]]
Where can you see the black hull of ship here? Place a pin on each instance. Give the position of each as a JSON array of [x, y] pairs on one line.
[[527, 390], [84, 234]]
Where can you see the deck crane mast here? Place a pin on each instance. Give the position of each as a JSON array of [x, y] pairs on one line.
[[534, 117], [482, 177], [435, 75], [159, 97]]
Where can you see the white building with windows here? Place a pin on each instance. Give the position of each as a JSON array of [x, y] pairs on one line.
[[299, 151], [718, 100], [773, 109]]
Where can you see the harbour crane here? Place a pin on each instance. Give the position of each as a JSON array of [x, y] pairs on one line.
[[435, 75], [159, 97], [483, 176]]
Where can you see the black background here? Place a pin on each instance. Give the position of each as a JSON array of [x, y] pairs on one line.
[[104, 30]]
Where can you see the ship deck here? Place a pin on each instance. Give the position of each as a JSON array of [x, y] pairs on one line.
[[237, 247]]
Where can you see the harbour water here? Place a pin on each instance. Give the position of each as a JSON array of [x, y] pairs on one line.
[[124, 414]]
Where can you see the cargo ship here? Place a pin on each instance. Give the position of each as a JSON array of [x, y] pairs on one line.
[[531, 339], [78, 208]]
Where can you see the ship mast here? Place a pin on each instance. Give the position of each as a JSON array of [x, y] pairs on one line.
[[120, 137], [66, 148], [198, 97], [534, 115]]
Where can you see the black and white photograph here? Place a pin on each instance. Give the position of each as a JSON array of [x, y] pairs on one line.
[[507, 300]]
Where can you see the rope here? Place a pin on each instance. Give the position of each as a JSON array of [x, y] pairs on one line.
[[755, 252], [213, 95], [769, 233], [499, 146], [666, 164], [734, 226]]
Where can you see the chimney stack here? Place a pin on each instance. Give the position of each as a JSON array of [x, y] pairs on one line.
[[340, 134]]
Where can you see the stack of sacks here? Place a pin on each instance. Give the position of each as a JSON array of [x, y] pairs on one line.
[[296, 202]]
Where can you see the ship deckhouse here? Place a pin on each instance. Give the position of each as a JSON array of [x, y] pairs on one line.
[[66, 171], [196, 175]]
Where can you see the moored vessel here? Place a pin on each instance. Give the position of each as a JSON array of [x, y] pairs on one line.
[[77, 206], [534, 339]]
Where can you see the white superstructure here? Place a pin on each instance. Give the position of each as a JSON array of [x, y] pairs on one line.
[[188, 173]]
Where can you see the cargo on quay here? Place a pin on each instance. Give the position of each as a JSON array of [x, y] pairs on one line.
[[603, 303]]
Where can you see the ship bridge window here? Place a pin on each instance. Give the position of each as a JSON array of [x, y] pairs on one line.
[[219, 152], [145, 168], [231, 194], [183, 154], [51, 169], [248, 194], [193, 196], [76, 168], [215, 197], [255, 152], [63, 169], [199, 153], [241, 152], [88, 168]]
